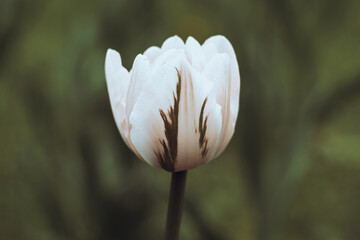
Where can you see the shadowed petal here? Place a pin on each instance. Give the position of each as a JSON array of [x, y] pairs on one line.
[[218, 71], [224, 46], [117, 78]]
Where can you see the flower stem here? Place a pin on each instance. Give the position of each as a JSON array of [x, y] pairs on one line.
[[176, 201]]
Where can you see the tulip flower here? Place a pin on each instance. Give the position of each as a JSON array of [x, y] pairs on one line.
[[176, 108]]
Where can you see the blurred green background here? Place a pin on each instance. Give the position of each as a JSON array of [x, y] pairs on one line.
[[291, 171]]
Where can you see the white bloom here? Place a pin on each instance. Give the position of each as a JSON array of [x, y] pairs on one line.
[[177, 107]]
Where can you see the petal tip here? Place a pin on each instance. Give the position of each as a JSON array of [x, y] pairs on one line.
[[173, 42], [111, 53], [140, 58], [112, 57]]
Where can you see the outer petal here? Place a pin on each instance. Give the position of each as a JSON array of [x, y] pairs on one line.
[[218, 71], [148, 131], [224, 46], [117, 78], [199, 120]]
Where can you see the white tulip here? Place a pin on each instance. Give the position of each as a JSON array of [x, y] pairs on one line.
[[177, 107]]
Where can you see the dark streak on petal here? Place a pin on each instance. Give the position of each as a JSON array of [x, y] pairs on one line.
[[171, 123], [202, 129]]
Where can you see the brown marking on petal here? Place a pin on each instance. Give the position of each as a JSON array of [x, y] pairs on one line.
[[203, 141], [167, 158]]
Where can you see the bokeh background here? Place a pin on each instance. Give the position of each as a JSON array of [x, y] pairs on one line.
[[292, 170]]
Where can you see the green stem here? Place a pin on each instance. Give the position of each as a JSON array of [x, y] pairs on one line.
[[176, 201]]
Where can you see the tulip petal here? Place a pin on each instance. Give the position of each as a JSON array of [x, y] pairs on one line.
[[117, 78], [233, 86], [152, 53], [194, 53], [172, 43], [147, 124], [200, 120], [218, 71], [167, 56], [224, 46], [209, 50], [140, 74]]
